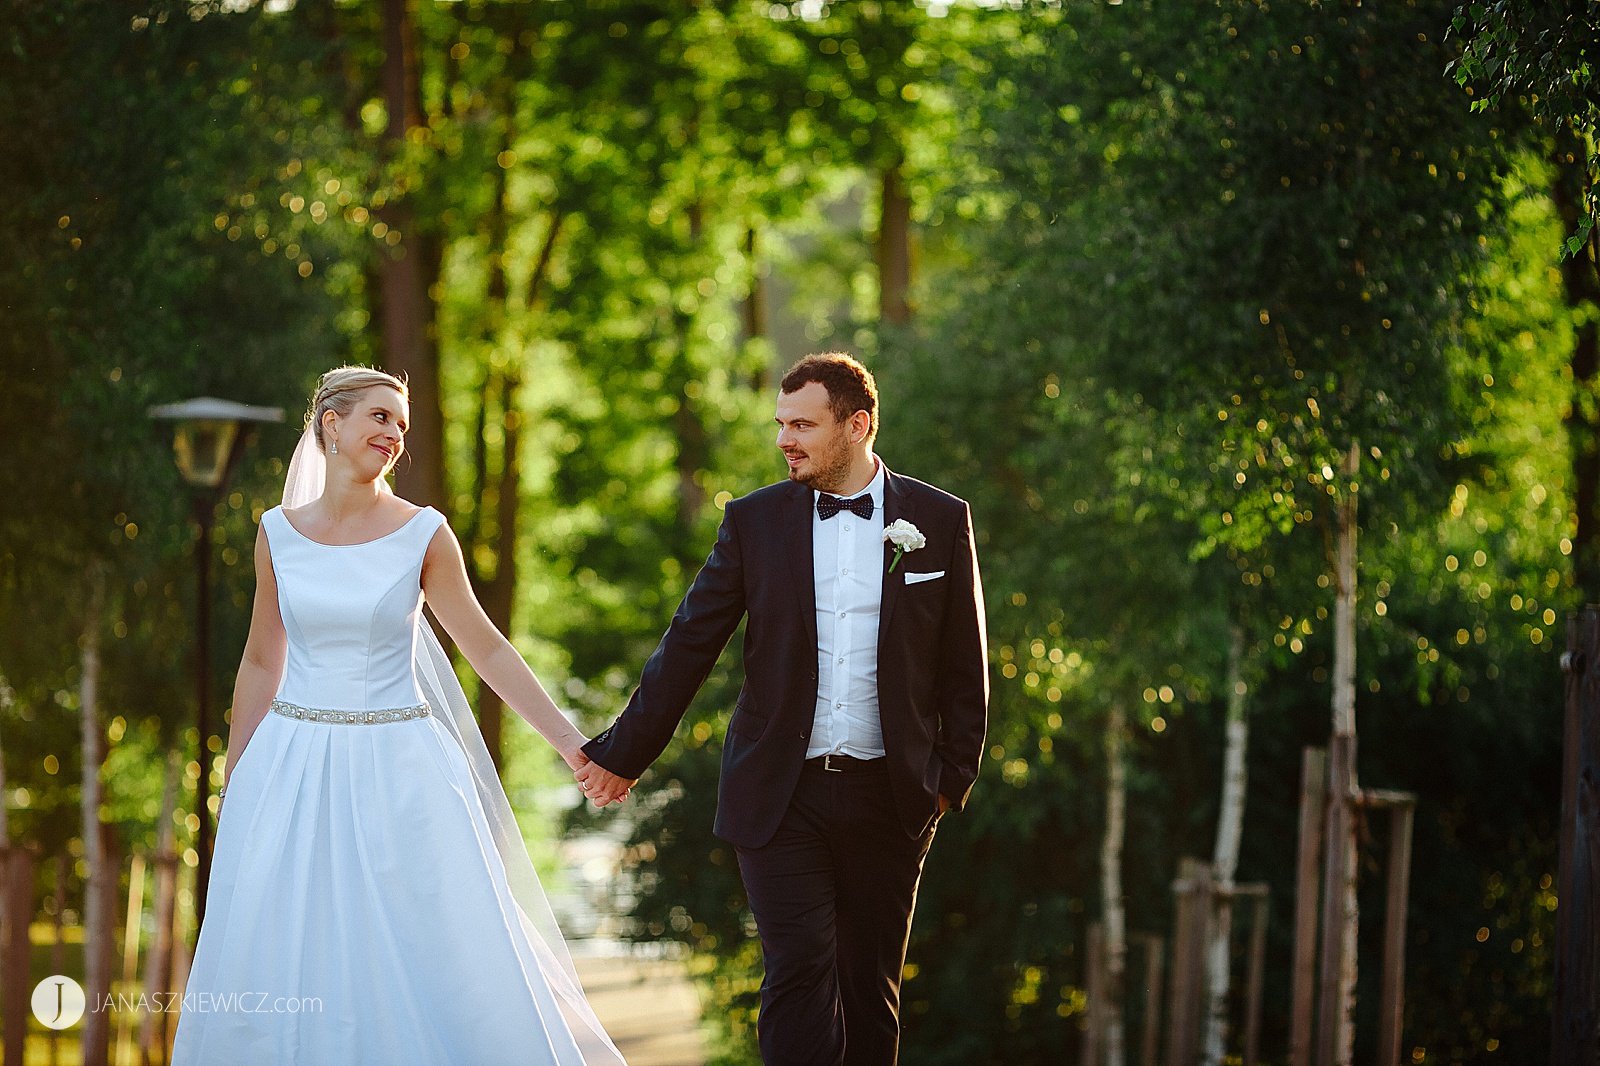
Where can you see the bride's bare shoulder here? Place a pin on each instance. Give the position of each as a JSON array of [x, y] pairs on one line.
[[401, 509]]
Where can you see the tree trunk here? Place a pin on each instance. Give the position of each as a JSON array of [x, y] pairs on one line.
[[501, 391], [496, 590], [58, 943], [1112, 915], [1575, 1002], [1581, 279], [408, 270], [7, 974], [1225, 856], [1344, 612], [16, 914], [499, 592], [5, 825], [753, 309], [97, 919], [154, 1027], [894, 246], [694, 447], [541, 268], [130, 951], [1341, 914], [16, 882]]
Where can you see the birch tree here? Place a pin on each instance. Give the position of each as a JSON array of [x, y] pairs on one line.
[[1267, 265], [1225, 853], [99, 920]]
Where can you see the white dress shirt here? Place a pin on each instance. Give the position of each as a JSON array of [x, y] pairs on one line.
[[847, 558]]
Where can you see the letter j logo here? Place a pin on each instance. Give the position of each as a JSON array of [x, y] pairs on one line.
[[58, 1002]]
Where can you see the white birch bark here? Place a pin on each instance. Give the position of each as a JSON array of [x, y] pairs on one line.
[[1113, 917], [1344, 724], [1225, 857]]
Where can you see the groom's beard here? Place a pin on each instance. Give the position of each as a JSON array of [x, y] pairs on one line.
[[827, 469]]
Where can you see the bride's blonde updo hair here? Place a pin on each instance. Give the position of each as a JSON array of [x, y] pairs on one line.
[[339, 389]]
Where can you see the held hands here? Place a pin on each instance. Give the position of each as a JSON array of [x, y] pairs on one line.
[[601, 785]]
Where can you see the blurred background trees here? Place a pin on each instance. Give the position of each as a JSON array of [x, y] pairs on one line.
[[1135, 282]]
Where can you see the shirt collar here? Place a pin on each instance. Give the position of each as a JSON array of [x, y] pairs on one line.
[[875, 486], [875, 489]]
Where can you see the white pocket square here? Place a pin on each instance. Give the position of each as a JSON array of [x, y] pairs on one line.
[[916, 579]]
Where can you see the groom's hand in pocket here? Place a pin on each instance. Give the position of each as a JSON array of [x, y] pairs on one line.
[[601, 785]]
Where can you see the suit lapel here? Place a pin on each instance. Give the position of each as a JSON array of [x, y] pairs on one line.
[[897, 504], [796, 518]]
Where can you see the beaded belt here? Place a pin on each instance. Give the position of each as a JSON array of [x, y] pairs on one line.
[[313, 714]]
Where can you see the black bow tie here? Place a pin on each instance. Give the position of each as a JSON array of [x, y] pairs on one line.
[[828, 506]]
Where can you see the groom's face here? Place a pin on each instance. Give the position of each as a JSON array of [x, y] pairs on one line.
[[816, 445]]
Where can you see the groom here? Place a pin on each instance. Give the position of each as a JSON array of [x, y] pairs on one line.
[[861, 720]]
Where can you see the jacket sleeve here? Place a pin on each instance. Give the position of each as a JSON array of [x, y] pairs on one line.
[[702, 626], [963, 683]]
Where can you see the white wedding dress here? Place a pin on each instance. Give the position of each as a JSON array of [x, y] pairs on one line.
[[359, 907]]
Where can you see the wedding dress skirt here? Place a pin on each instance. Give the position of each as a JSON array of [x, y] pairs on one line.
[[358, 909]]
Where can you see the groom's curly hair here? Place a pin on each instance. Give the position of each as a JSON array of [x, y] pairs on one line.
[[850, 385]]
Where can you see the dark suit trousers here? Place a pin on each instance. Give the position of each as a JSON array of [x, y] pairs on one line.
[[832, 894]]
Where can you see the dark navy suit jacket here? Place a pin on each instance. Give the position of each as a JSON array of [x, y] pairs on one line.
[[933, 679]]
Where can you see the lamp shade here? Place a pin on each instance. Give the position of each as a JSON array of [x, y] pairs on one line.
[[205, 432]]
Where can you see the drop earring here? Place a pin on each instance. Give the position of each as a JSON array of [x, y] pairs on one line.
[[335, 447]]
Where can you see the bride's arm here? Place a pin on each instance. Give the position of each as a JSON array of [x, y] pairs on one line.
[[449, 593], [261, 668]]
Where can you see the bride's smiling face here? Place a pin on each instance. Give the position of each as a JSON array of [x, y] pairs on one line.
[[373, 433]]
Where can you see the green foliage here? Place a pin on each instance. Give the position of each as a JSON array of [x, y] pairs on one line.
[[1175, 260], [1544, 51], [126, 286], [1538, 57], [1218, 262], [1196, 259]]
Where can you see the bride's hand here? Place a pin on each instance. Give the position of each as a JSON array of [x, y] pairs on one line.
[[576, 759], [601, 786]]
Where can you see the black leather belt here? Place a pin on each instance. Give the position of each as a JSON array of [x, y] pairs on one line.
[[844, 764]]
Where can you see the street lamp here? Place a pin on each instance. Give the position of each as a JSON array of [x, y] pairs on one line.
[[209, 437]]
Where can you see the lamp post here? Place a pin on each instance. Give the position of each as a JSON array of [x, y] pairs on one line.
[[208, 442]]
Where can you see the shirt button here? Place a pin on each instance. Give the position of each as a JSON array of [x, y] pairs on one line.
[[841, 614], [848, 528], [841, 658], [838, 705], [846, 570]]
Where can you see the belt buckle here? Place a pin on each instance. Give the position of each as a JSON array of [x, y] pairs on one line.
[[827, 763]]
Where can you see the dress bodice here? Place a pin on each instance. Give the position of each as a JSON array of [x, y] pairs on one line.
[[351, 613]]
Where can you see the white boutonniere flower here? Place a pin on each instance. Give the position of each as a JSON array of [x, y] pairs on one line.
[[905, 537]]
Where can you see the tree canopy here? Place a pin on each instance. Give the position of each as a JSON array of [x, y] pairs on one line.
[[1134, 279]]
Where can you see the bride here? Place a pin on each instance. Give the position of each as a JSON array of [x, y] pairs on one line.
[[371, 900]]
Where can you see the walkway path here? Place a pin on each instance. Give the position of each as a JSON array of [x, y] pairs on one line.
[[648, 1005]]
